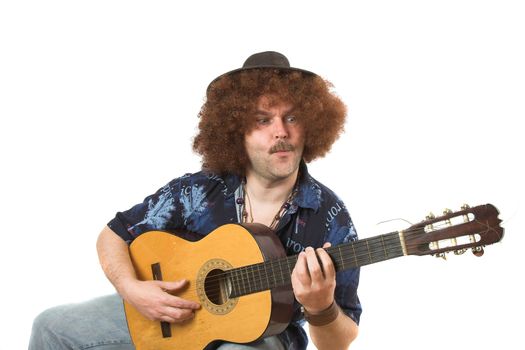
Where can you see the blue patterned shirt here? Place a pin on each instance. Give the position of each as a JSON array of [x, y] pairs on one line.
[[201, 202]]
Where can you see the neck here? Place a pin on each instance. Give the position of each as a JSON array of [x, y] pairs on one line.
[[270, 191]]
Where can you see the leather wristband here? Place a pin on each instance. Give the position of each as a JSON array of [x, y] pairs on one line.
[[324, 317]]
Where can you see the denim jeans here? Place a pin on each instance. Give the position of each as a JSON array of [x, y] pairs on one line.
[[100, 324]]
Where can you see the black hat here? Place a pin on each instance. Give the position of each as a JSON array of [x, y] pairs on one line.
[[266, 59]]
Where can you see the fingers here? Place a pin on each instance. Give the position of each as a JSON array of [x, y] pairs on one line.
[[176, 315], [172, 310], [326, 261], [301, 269], [320, 265], [173, 286], [173, 301], [314, 267], [162, 305], [313, 279]]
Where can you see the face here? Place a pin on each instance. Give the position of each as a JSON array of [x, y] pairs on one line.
[[275, 145]]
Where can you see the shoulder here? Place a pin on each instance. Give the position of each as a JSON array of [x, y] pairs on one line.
[[334, 213], [316, 195], [313, 194], [204, 181]]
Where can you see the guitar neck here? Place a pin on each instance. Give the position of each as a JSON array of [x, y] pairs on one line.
[[276, 273]]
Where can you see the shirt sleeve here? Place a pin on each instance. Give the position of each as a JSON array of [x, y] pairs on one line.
[[342, 231], [159, 211]]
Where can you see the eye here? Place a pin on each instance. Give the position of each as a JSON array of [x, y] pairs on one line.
[[263, 121], [291, 119]]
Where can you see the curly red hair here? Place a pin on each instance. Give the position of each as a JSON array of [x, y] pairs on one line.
[[232, 99]]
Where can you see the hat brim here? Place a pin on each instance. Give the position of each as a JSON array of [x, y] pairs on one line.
[[238, 70]]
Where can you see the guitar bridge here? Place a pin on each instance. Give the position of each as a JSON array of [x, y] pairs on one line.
[[157, 276]]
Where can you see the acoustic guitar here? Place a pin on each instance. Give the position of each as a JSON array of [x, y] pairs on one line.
[[241, 275]]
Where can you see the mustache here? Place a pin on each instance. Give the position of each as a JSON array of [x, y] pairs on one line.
[[282, 146]]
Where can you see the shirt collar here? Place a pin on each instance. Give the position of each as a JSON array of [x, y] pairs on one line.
[[308, 192]]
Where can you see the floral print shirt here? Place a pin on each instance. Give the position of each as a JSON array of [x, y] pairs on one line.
[[201, 202]]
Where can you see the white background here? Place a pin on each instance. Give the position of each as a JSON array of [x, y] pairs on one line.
[[98, 105]]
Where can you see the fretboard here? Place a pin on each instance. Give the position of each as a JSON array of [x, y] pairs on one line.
[[275, 273]]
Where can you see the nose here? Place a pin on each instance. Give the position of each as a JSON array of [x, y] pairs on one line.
[[280, 130]]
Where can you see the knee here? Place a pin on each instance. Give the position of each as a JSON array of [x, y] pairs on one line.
[[47, 317], [45, 327]]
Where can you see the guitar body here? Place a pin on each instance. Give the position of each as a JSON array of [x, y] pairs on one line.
[[160, 255]]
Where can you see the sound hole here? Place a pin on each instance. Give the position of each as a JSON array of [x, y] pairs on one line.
[[217, 287]]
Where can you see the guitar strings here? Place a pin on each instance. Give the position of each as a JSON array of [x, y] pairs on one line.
[[380, 240], [255, 278], [256, 269], [260, 279]]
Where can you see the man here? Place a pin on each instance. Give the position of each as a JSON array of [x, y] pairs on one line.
[[259, 125]]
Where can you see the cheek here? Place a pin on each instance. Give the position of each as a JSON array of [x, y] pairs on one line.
[[256, 139], [298, 133], [253, 143]]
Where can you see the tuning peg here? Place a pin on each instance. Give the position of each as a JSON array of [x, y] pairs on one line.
[[441, 255], [465, 206], [430, 216], [478, 251], [459, 251]]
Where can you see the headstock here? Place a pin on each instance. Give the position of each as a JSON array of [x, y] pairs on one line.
[[473, 228]]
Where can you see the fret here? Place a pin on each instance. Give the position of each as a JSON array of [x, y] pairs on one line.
[[280, 270], [341, 259], [261, 276], [363, 252], [267, 279], [385, 244], [363, 255], [248, 280], [368, 250], [273, 275], [384, 247], [293, 261], [377, 249], [394, 247], [289, 274], [355, 255], [255, 278], [240, 282], [233, 274]]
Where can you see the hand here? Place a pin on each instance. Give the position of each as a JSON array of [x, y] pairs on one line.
[[151, 298], [313, 284]]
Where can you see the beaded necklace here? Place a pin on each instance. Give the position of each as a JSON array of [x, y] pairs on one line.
[[248, 217]]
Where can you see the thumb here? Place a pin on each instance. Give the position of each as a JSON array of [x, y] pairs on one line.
[[172, 286]]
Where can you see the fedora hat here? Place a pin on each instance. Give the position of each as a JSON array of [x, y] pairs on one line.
[[264, 60]]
